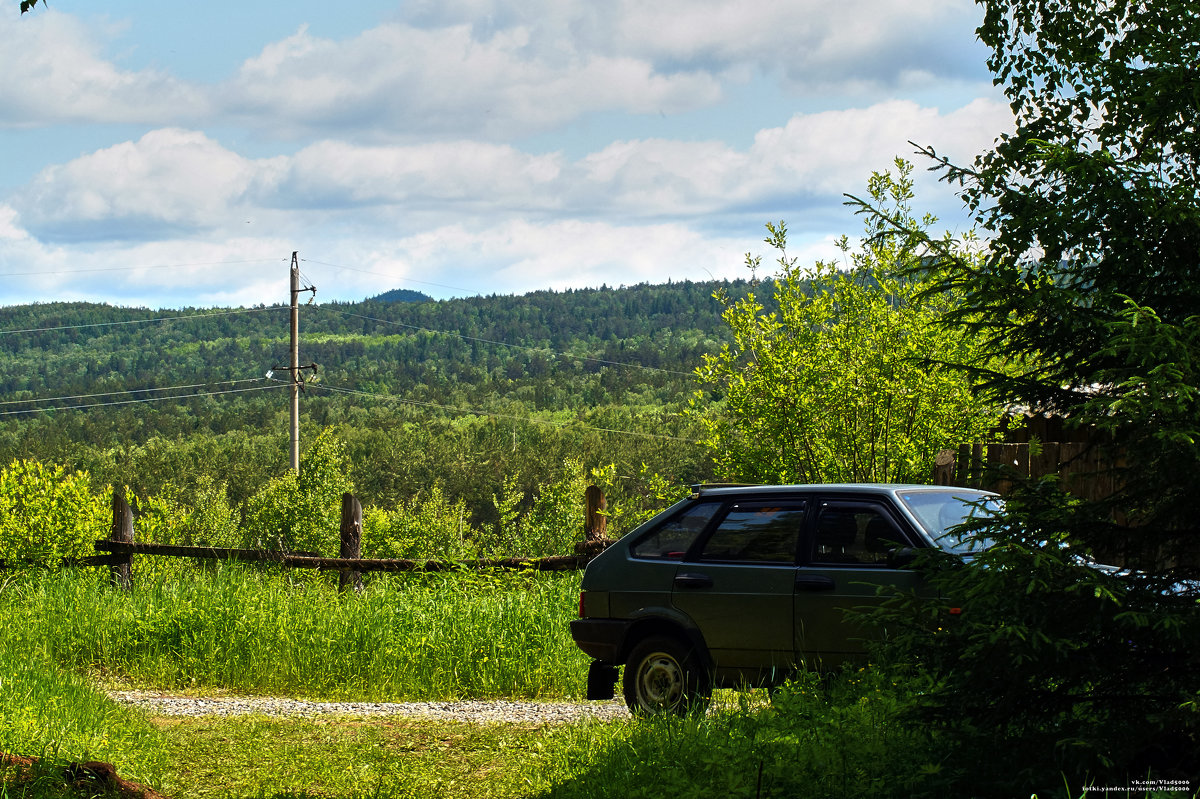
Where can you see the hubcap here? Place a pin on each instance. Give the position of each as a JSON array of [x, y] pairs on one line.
[[660, 681]]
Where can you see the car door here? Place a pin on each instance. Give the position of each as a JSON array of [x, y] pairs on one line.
[[737, 583], [844, 566]]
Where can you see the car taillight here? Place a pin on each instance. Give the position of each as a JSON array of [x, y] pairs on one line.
[[581, 613]]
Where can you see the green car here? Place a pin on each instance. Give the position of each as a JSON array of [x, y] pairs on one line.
[[742, 585]]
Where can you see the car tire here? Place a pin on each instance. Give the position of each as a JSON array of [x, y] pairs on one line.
[[665, 675]]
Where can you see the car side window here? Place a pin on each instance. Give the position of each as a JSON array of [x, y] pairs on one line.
[[757, 532], [857, 533], [673, 538]]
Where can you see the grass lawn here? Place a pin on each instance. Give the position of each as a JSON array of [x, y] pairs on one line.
[[345, 757]]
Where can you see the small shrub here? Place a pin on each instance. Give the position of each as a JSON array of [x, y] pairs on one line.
[[423, 528], [48, 513], [303, 513]]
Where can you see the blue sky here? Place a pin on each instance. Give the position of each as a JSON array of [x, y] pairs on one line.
[[171, 155]]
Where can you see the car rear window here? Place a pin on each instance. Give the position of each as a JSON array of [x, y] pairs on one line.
[[673, 538]]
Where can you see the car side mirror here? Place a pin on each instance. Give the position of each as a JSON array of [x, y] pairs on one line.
[[901, 558]]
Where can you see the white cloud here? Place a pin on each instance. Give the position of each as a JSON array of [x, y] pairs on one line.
[[470, 173], [181, 181], [169, 179], [819, 45], [498, 69], [54, 72], [396, 81], [10, 230]]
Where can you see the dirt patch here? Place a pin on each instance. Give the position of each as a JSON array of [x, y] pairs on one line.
[[86, 778]]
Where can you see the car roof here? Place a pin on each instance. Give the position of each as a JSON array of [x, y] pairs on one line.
[[721, 490]]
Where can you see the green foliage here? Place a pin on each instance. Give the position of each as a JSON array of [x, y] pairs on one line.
[[813, 740], [303, 514], [48, 513], [846, 381], [1055, 665], [423, 528], [547, 523], [1092, 205], [1092, 209], [199, 515]]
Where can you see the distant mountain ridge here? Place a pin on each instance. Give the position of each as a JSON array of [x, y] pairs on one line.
[[400, 295]]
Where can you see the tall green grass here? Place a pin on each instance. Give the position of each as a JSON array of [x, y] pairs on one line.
[[836, 738], [52, 714], [437, 636]]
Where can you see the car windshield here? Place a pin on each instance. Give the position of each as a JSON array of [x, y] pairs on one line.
[[941, 511]]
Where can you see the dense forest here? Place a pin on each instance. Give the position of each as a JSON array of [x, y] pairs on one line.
[[460, 394]]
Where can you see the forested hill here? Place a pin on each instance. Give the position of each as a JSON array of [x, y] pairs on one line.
[[57, 349], [101, 387]]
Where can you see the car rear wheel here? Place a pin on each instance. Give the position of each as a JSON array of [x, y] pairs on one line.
[[665, 675]]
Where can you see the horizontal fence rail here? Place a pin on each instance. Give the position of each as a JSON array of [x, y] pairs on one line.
[[555, 563], [121, 547]]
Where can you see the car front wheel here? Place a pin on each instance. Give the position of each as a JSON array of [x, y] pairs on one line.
[[665, 675]]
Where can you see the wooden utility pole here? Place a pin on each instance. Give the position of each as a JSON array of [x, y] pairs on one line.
[[295, 364]]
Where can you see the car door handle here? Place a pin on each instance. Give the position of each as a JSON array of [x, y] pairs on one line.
[[814, 582], [693, 580]]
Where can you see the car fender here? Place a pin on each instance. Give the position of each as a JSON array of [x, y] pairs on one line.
[[663, 621]]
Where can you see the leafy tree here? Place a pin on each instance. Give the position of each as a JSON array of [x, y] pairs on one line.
[[48, 513], [545, 521], [846, 380], [303, 513], [1092, 208]]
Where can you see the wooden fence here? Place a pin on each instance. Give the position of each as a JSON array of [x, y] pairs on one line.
[[120, 547], [1083, 470]]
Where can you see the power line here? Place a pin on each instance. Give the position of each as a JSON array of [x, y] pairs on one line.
[[144, 399], [530, 419], [147, 321], [127, 391]]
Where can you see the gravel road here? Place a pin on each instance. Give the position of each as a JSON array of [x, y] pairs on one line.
[[479, 711]]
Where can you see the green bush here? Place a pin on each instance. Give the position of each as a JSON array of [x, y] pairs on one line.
[[1055, 666], [303, 513], [423, 528], [48, 513]]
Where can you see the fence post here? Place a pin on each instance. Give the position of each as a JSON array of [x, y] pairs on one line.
[[944, 468], [596, 522], [351, 544], [122, 533]]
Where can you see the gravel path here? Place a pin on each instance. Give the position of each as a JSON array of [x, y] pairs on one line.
[[479, 711]]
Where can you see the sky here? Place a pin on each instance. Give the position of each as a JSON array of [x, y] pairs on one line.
[[173, 155]]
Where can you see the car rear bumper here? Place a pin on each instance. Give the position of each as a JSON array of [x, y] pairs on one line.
[[600, 638]]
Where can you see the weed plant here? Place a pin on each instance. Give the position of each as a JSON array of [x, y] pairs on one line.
[[430, 636]]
